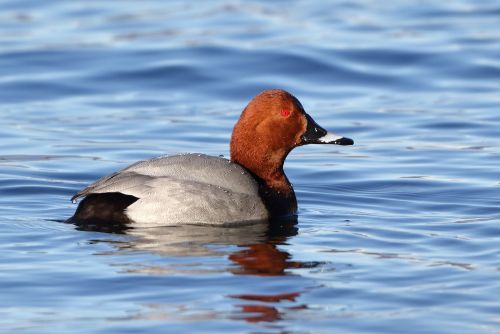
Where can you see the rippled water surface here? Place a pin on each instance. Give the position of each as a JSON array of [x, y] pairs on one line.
[[397, 234]]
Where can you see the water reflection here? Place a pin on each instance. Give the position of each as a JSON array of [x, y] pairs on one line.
[[252, 249], [265, 313]]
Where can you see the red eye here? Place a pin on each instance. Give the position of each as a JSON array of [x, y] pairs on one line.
[[285, 112]]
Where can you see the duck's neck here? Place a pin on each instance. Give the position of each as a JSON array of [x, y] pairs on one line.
[[275, 189], [271, 172]]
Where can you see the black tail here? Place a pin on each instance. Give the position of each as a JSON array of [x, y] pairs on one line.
[[102, 209]]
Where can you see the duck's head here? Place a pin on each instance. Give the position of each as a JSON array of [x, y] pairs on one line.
[[272, 124]]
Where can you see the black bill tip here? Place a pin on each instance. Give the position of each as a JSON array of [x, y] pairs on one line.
[[344, 141]]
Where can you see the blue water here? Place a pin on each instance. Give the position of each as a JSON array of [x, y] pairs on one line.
[[397, 234]]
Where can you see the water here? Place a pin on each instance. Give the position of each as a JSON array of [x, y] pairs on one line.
[[398, 233]]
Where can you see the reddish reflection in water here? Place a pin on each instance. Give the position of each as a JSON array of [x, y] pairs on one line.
[[260, 313], [270, 298], [265, 313], [263, 260]]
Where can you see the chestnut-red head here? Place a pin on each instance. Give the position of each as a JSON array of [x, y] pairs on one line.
[[272, 124]]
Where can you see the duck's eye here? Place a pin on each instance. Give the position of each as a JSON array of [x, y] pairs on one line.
[[285, 112]]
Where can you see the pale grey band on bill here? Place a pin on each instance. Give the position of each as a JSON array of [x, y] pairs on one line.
[[329, 138]]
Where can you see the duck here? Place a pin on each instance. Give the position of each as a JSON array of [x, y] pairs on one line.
[[200, 189]]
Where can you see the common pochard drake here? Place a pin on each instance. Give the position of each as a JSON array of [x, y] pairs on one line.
[[202, 189]]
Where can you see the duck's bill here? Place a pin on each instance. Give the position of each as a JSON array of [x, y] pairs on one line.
[[315, 134], [331, 138]]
